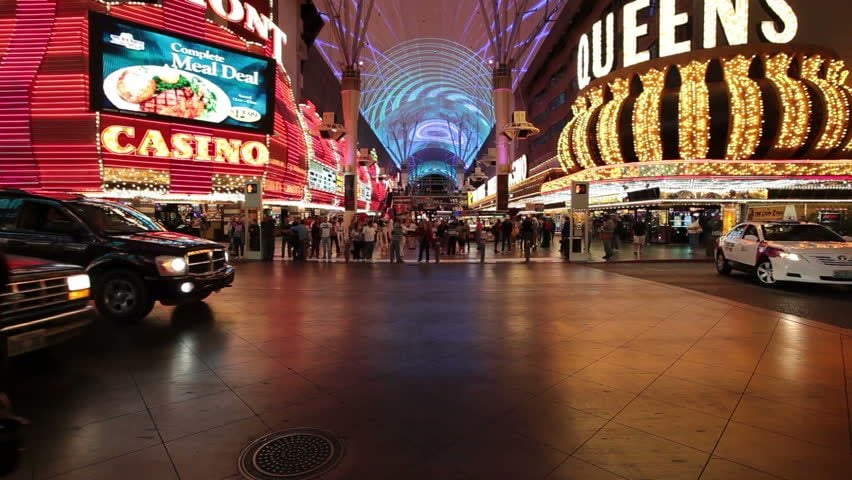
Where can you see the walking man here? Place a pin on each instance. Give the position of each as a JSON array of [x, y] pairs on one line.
[[325, 239], [639, 232], [397, 237], [506, 234], [369, 233]]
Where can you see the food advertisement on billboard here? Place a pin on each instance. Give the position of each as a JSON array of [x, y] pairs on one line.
[[147, 72]]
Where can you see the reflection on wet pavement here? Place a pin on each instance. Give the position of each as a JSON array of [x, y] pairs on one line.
[[447, 372]]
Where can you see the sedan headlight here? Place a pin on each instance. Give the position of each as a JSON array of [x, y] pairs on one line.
[[79, 286], [793, 257], [169, 266]]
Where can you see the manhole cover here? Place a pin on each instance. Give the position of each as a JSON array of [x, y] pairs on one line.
[[294, 454]]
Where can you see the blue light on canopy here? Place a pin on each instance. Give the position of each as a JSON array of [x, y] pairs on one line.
[[433, 161], [429, 79]]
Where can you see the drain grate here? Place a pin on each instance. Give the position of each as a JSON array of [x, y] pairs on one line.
[[293, 454]]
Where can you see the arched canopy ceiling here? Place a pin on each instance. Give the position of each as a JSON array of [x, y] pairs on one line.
[[428, 60], [430, 85]]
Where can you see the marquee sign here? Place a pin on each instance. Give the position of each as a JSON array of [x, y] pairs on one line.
[[737, 22], [125, 140], [242, 13]]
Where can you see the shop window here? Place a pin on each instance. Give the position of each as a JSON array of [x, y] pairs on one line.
[[322, 177], [9, 213]]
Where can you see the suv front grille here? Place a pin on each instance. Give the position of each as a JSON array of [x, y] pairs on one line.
[[29, 295], [206, 261], [833, 261]]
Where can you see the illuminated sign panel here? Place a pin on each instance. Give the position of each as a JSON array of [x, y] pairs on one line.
[[519, 171], [245, 15], [146, 72], [124, 140], [769, 21]]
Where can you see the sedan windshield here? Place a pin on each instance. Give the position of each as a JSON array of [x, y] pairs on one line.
[[113, 219], [799, 233]]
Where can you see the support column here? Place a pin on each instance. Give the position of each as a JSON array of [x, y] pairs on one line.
[[502, 94], [351, 96]]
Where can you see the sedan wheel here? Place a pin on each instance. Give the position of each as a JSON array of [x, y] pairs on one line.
[[764, 273], [722, 265]]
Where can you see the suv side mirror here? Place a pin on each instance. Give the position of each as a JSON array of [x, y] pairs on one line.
[[752, 238]]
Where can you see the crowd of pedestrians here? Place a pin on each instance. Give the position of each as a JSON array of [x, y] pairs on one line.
[[366, 239]]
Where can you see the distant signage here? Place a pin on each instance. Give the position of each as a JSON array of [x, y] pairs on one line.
[[519, 171], [773, 213], [580, 195], [252, 194]]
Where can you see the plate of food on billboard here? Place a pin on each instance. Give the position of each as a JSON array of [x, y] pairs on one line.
[[146, 72]]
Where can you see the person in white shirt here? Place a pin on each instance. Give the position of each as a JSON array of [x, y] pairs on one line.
[[369, 234], [325, 238]]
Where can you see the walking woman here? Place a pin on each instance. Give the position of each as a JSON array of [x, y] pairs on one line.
[[355, 236]]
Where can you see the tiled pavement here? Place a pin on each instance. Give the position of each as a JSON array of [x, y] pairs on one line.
[[545, 371]]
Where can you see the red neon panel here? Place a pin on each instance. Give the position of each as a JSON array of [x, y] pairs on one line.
[[184, 17], [18, 69]]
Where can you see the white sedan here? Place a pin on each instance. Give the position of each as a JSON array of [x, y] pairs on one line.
[[786, 252]]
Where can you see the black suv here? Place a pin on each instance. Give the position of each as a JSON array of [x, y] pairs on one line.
[[42, 303], [132, 260]]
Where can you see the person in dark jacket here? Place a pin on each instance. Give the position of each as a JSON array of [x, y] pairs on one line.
[[496, 230], [506, 234], [639, 232], [267, 238], [300, 235], [316, 238]]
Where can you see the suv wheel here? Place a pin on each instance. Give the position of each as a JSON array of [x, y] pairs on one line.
[[722, 265], [121, 295], [763, 272]]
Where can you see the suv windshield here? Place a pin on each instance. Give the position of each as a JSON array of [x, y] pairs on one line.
[[799, 233], [112, 219]]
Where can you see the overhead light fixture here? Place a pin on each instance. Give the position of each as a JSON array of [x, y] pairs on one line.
[[330, 129], [520, 128]]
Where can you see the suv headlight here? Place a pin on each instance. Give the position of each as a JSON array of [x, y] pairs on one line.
[[78, 286], [169, 266]]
